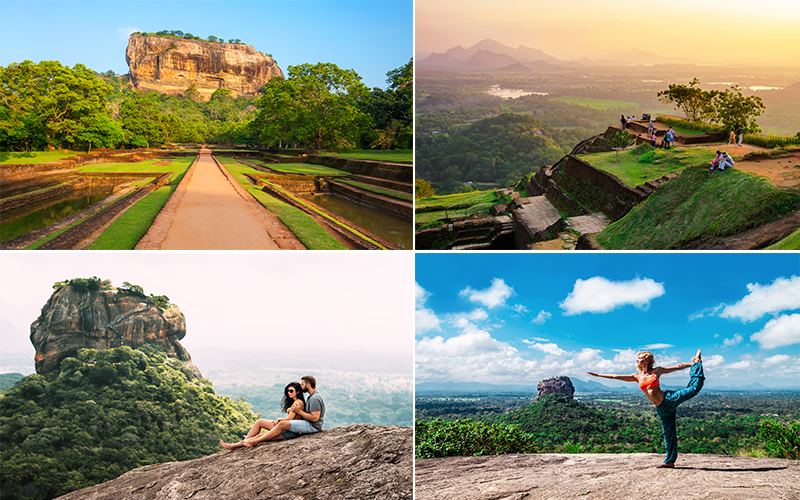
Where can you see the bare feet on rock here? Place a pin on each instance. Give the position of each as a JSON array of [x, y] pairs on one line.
[[697, 358], [226, 445], [667, 465]]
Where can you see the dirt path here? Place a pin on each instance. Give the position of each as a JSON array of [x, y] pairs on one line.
[[207, 212]]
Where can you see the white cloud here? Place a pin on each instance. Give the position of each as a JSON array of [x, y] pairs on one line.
[[125, 33], [549, 348], [782, 295], [740, 365], [736, 340], [541, 318], [708, 311], [521, 309], [713, 361], [779, 332], [600, 295], [472, 343], [491, 297], [777, 359], [425, 320], [654, 347]]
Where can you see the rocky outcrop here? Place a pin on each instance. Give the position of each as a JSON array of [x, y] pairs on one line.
[[354, 462], [171, 65], [557, 385], [608, 476], [75, 319]]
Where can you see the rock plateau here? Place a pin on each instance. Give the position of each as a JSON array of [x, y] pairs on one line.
[[557, 385], [75, 319], [354, 462], [607, 476], [171, 65]]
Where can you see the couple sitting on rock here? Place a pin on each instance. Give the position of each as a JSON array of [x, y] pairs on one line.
[[303, 417]]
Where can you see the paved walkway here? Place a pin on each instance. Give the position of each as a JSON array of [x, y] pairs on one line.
[[207, 212]]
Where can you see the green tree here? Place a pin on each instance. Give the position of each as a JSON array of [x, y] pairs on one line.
[[423, 189], [734, 109], [695, 102], [50, 105], [318, 105], [392, 109], [141, 120], [622, 140]]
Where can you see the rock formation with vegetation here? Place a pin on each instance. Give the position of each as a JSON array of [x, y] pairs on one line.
[[91, 314], [170, 65]]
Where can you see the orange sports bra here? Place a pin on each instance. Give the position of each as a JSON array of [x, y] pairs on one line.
[[650, 383]]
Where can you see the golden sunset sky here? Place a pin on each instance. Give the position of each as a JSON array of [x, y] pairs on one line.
[[711, 31]]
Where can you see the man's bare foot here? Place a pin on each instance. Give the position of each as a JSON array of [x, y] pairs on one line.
[[667, 465], [226, 445], [697, 358]]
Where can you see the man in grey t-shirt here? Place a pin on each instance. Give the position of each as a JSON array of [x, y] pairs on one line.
[[313, 416]]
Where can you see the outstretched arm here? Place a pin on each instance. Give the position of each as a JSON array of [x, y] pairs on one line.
[[661, 370], [624, 378]]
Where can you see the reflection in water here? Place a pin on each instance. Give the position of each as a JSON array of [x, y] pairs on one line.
[[390, 228], [47, 215]]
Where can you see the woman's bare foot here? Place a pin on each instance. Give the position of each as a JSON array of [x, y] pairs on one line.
[[249, 443], [226, 445], [697, 358], [666, 465]]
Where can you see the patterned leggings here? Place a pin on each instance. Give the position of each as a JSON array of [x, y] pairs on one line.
[[666, 410]]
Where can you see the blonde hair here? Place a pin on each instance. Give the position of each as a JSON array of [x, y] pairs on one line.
[[651, 360]]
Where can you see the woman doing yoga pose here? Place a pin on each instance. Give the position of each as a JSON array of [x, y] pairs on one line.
[[293, 401], [666, 401]]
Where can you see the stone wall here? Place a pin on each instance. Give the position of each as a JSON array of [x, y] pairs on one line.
[[394, 171]]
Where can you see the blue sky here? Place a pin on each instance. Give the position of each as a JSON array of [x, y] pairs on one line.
[[517, 318], [369, 36]]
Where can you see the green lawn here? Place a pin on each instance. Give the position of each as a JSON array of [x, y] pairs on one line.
[[457, 200], [386, 192], [301, 224], [31, 157], [132, 225], [699, 204], [791, 242], [601, 104], [645, 163], [391, 155], [179, 166], [304, 168]]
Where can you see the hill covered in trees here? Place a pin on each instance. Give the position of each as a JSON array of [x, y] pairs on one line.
[[498, 151], [104, 413]]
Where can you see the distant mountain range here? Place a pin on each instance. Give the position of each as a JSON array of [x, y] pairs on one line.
[[491, 55], [581, 387]]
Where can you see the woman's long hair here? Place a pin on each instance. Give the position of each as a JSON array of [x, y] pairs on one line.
[[287, 399]]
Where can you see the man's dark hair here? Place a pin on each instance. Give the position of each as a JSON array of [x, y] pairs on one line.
[[308, 379]]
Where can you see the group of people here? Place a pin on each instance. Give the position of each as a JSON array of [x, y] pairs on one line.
[[303, 416], [736, 136], [666, 402], [721, 161]]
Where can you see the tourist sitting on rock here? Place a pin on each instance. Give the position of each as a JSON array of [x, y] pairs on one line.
[[725, 161], [293, 402], [666, 401], [300, 421]]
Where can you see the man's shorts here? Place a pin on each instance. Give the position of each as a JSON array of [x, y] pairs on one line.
[[298, 428]]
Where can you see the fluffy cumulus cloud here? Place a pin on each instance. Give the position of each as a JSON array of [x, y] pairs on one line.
[[520, 309], [541, 318], [778, 359], [740, 365], [654, 347], [549, 348], [495, 295], [600, 295], [425, 320], [779, 332], [735, 340], [783, 294], [713, 361]]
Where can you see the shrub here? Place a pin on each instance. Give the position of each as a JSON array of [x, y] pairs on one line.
[[781, 440], [440, 438]]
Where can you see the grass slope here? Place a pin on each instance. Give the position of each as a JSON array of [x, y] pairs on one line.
[[392, 155], [33, 157], [700, 205], [646, 163]]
